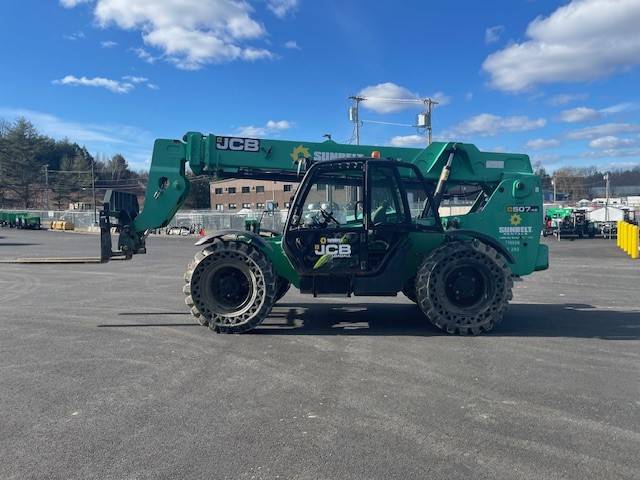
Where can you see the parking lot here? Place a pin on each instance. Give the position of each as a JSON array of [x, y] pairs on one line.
[[103, 374]]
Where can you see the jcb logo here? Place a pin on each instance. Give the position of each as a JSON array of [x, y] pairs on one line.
[[333, 249], [238, 144]]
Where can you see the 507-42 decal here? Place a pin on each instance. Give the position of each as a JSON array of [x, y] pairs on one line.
[[237, 144], [522, 208]]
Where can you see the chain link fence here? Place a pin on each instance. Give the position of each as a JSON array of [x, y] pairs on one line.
[[195, 220], [209, 220]]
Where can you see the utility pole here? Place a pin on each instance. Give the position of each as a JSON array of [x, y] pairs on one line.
[[424, 119], [46, 188], [606, 203], [553, 182], [354, 115], [93, 188]]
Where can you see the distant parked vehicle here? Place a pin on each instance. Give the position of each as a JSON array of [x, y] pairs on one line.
[[178, 231]]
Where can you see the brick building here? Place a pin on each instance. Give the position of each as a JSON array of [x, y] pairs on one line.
[[235, 194]]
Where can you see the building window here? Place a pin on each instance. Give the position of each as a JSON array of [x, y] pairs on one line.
[[287, 188], [232, 206], [259, 188], [231, 190], [218, 191], [259, 205], [219, 207], [246, 189], [246, 205]]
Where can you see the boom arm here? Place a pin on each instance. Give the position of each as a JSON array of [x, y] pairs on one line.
[[233, 157]]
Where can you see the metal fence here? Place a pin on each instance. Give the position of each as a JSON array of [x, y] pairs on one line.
[[209, 220]]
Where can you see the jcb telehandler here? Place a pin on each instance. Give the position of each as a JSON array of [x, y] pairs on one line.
[[364, 221]]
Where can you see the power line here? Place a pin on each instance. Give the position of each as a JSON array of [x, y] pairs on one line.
[[388, 123]]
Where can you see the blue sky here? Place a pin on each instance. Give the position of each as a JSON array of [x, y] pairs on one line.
[[556, 80]]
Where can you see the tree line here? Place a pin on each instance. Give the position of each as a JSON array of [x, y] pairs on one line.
[[577, 182], [35, 167], [37, 171]]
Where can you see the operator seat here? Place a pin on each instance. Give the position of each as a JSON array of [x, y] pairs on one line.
[[379, 215]]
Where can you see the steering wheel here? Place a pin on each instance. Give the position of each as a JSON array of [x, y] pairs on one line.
[[329, 216]]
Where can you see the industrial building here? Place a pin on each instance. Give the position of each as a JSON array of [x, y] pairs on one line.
[[237, 194]]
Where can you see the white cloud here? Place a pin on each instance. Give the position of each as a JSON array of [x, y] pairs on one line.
[[133, 79], [101, 82], [603, 130], [144, 55], [580, 41], [579, 114], [190, 33], [409, 141], [385, 96], [79, 35], [619, 108], [540, 159], [270, 128], [541, 143], [612, 153], [492, 34], [564, 98], [611, 142], [72, 3], [583, 114], [108, 44], [441, 98], [468, 96], [486, 125], [389, 97], [282, 7], [125, 85], [76, 131], [292, 45]]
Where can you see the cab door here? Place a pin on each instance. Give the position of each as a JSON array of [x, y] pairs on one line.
[[325, 235], [388, 211]]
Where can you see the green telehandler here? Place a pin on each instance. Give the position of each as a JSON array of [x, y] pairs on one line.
[[365, 220]]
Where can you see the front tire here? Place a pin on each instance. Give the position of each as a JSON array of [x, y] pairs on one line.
[[230, 286], [282, 287], [409, 290], [464, 287]]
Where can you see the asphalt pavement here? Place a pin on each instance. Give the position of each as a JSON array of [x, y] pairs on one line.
[[104, 375]]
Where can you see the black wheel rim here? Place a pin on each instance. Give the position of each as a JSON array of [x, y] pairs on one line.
[[231, 288], [465, 286]]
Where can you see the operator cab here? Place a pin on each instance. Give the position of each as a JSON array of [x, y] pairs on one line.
[[348, 227]]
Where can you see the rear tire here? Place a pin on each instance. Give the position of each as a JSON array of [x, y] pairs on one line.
[[464, 287], [230, 286]]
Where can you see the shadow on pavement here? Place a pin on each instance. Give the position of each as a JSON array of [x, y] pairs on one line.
[[127, 325], [141, 314], [16, 244], [522, 320]]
